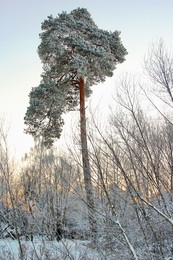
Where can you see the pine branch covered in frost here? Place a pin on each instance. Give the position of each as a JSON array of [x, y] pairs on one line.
[[72, 46]]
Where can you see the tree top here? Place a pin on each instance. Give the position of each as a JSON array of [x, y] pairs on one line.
[[72, 47]]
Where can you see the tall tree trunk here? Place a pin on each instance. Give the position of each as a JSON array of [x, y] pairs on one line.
[[85, 160]]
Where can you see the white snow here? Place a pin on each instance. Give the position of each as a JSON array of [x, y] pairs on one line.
[[42, 249]]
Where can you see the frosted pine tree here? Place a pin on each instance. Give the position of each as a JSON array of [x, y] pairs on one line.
[[76, 55]]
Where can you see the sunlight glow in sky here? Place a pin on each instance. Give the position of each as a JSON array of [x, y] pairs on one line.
[[140, 23]]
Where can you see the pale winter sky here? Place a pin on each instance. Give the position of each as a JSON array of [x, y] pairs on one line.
[[140, 22]]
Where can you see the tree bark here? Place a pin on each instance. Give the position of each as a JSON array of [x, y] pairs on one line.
[[85, 160]]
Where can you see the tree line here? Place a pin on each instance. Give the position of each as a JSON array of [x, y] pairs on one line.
[[118, 194]]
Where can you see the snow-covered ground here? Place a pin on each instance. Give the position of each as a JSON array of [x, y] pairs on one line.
[[48, 250]]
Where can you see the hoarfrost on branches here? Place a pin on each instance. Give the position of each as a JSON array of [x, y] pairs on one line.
[[72, 46]]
